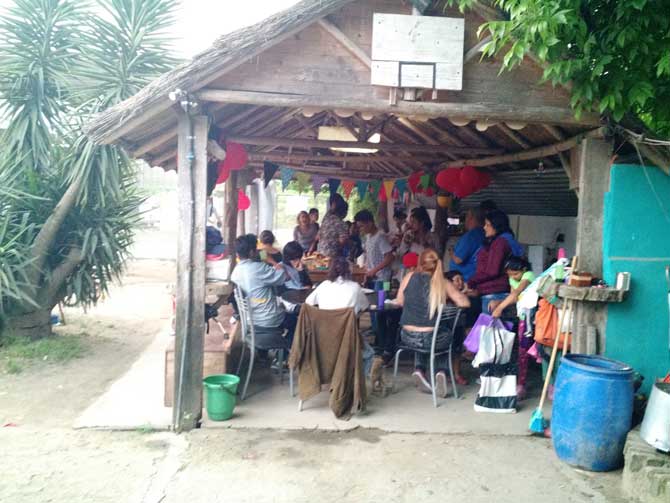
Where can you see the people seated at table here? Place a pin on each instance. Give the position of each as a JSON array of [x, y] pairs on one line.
[[268, 252], [338, 291], [354, 248], [378, 251], [305, 232], [418, 236], [489, 280], [517, 250], [400, 222], [464, 254], [258, 280], [297, 277], [333, 232], [314, 217], [421, 293]]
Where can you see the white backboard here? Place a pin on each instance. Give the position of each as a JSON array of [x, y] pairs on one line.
[[417, 51]]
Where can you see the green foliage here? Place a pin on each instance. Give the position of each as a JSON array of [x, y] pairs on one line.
[[62, 62], [615, 54]]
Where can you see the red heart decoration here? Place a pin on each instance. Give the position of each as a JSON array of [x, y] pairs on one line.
[[414, 180], [243, 202], [236, 156], [449, 179], [224, 172]]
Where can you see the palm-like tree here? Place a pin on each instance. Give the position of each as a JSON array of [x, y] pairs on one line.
[[67, 206]]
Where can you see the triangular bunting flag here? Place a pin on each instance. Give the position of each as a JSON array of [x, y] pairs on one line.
[[347, 187], [286, 175], [362, 188], [388, 188], [375, 187], [303, 181], [414, 180], [317, 182], [425, 181], [401, 185], [269, 170], [333, 185]]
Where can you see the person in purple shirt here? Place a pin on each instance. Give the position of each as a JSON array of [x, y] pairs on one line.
[[464, 254]]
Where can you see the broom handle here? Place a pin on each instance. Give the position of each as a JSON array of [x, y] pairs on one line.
[[553, 357], [554, 350]]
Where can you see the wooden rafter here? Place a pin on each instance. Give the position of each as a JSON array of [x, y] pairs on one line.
[[389, 147], [345, 41]]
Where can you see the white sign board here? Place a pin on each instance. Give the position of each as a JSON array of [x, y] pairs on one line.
[[417, 51]]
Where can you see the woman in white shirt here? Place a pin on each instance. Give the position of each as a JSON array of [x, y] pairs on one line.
[[339, 291]]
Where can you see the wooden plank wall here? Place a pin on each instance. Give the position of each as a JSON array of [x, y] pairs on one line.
[[312, 62]]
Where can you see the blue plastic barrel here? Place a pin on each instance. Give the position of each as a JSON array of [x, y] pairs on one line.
[[592, 412]]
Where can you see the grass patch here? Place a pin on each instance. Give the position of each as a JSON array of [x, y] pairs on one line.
[[15, 351]]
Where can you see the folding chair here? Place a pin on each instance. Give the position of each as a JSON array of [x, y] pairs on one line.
[[257, 338], [446, 321]]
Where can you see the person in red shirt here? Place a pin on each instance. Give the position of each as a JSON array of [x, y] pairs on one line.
[[490, 281]]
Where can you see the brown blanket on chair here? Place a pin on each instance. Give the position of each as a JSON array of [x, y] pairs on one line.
[[327, 348]]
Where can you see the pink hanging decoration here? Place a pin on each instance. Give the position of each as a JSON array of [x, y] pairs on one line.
[[236, 156], [243, 201]]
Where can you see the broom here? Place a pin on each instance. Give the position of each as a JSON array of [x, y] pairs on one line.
[[537, 422]]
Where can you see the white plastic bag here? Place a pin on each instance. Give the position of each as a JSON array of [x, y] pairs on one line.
[[495, 346]]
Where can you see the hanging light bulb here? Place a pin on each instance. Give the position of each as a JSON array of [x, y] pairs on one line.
[[540, 169]]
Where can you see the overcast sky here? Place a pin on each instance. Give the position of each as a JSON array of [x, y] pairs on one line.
[[200, 22]]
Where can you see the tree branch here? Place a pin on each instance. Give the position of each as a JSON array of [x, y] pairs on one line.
[[59, 275], [47, 235]]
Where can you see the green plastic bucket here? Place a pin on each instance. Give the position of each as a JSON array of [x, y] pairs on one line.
[[221, 395]]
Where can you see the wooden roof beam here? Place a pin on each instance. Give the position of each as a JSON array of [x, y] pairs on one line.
[[345, 41], [473, 111], [534, 153], [389, 147]]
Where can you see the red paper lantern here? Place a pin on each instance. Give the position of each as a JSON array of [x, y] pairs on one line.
[[236, 156], [224, 172], [449, 179], [414, 180], [243, 202], [484, 180]]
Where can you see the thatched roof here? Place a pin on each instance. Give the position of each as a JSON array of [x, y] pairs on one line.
[[228, 50]]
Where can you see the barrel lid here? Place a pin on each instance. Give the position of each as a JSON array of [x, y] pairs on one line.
[[597, 364]]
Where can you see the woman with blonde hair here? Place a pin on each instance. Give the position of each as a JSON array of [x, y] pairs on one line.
[[421, 293]]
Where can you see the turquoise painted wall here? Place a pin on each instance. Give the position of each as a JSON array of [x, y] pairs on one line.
[[637, 240]]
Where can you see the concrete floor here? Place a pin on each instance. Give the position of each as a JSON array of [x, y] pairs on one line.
[[269, 405], [136, 401]]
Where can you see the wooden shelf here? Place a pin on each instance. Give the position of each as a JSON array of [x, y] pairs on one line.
[[591, 293]]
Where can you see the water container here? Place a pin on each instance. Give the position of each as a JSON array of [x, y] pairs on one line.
[[592, 412]]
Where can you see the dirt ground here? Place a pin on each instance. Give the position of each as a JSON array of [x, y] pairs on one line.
[[42, 459]]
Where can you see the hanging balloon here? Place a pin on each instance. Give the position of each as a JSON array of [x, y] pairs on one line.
[[448, 179], [462, 192], [236, 156], [243, 201], [469, 178], [224, 172], [484, 180]]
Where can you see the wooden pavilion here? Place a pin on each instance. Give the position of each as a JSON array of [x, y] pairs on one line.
[[272, 85]]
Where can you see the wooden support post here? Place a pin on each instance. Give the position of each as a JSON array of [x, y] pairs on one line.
[[594, 156], [230, 213], [190, 321]]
